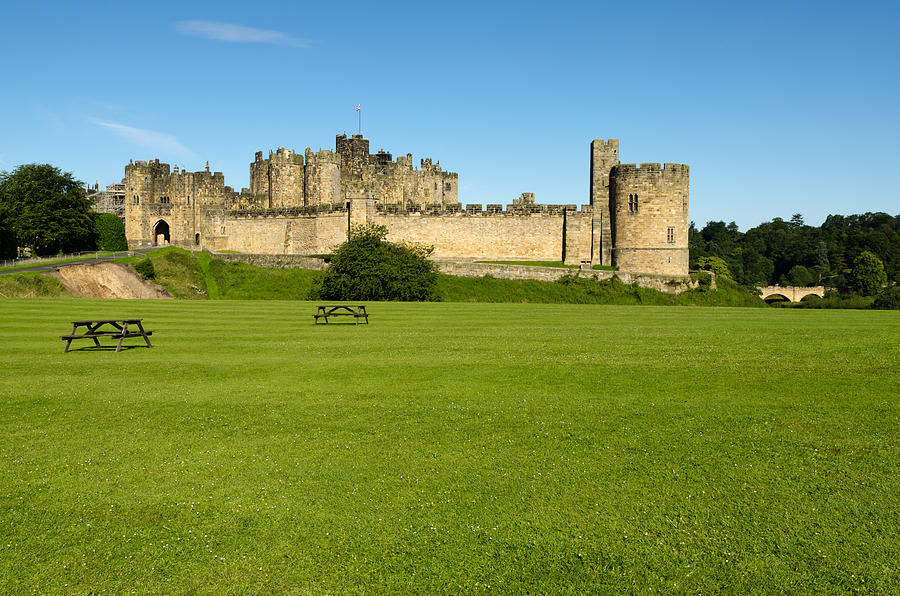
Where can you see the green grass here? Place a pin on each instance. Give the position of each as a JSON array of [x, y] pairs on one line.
[[446, 448], [572, 290], [30, 285], [197, 275]]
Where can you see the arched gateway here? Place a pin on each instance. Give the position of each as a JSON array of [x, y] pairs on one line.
[[161, 233]]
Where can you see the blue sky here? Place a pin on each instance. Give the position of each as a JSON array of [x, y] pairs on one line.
[[778, 107]]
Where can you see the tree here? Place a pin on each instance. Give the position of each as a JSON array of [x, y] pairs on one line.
[[799, 276], [821, 265], [867, 275], [46, 209], [7, 241], [367, 267], [110, 232], [714, 264]]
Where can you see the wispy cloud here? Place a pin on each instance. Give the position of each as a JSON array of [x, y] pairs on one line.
[[49, 117], [237, 33], [149, 139]]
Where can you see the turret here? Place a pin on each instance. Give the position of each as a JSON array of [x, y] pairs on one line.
[[650, 219]]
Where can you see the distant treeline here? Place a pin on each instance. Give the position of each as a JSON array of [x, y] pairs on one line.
[[791, 253]]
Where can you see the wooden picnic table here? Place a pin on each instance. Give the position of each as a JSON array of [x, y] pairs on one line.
[[358, 311], [113, 328]]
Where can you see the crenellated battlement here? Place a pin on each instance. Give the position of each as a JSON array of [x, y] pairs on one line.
[[606, 144], [478, 210], [651, 170]]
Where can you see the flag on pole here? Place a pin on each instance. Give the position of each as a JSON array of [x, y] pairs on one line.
[[357, 107]]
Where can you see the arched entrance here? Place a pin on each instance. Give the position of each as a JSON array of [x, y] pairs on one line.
[[197, 239], [161, 233]]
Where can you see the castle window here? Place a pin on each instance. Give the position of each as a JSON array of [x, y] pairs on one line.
[[435, 186], [632, 203], [163, 199], [670, 235], [448, 186]]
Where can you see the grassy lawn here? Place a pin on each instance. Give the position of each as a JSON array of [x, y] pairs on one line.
[[450, 447]]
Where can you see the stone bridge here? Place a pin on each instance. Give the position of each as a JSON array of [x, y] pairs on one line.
[[792, 293]]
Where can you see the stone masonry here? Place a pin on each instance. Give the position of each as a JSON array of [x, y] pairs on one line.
[[297, 204]]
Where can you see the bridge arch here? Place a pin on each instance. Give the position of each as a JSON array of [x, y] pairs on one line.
[[791, 293]]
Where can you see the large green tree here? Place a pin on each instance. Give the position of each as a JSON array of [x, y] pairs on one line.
[[368, 267], [110, 232], [7, 241], [46, 209], [867, 276]]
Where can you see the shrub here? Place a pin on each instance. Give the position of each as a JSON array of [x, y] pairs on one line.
[[888, 299], [145, 269], [110, 232], [367, 267]]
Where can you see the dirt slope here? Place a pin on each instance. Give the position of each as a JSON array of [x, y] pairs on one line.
[[108, 280]]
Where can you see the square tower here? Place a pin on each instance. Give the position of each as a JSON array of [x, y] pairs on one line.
[[604, 155]]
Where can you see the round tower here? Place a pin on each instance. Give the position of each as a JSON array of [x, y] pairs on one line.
[[650, 220]]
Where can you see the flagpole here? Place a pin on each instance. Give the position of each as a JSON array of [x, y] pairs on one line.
[[359, 124]]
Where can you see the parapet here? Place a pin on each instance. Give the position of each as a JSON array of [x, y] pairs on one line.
[[153, 167], [651, 170], [282, 155], [608, 144], [323, 156]]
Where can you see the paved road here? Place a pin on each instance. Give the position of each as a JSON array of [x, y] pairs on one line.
[[84, 261]]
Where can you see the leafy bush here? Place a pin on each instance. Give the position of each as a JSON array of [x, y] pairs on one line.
[[704, 281], [145, 269], [367, 267], [110, 232], [888, 299]]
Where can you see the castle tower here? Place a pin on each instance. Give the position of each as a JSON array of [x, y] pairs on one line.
[[285, 179], [604, 155], [649, 208], [354, 152], [278, 180], [322, 178]]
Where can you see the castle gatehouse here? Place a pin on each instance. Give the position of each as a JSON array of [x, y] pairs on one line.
[[636, 218]]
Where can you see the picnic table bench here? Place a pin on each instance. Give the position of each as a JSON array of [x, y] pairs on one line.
[[112, 328], [358, 311]]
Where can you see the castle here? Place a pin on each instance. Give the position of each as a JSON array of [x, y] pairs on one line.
[[637, 218]]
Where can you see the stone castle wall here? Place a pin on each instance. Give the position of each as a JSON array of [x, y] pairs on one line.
[[465, 236], [305, 204]]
